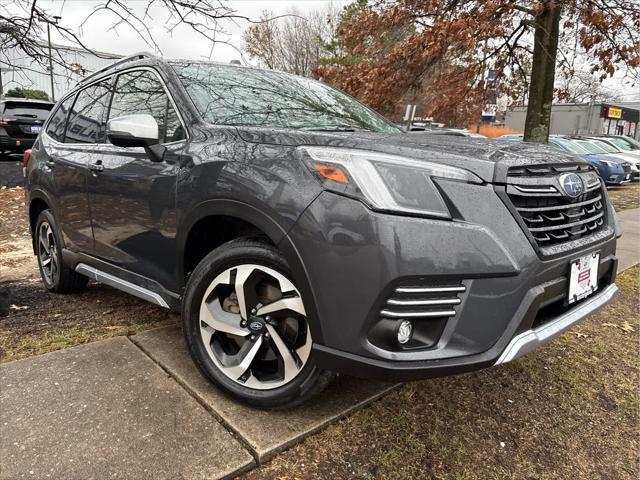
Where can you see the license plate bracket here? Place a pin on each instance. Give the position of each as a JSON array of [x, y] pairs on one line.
[[583, 276]]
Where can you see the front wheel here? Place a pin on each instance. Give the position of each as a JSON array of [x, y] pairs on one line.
[[246, 326]]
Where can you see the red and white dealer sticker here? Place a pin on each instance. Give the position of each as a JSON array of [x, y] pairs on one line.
[[583, 280]]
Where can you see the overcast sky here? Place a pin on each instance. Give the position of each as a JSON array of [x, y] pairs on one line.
[[182, 42], [185, 43]]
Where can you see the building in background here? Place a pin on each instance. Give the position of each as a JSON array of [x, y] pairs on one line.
[[584, 118], [19, 70]]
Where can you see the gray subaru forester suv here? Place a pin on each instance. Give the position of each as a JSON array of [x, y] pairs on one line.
[[300, 233]]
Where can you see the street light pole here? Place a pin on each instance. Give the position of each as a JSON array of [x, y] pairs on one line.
[[53, 93], [55, 20]]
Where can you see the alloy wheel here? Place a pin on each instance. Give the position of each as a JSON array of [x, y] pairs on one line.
[[48, 253], [254, 327]]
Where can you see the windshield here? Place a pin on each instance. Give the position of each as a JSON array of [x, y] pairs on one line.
[[570, 146], [621, 144], [606, 146], [28, 109], [592, 147], [228, 95], [635, 145]]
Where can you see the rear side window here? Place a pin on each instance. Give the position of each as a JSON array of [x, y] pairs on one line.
[[142, 92], [55, 128], [87, 120]]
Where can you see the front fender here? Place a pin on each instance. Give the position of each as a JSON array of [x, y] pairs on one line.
[[272, 229]]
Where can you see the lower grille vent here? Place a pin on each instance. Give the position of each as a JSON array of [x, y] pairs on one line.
[[423, 302]]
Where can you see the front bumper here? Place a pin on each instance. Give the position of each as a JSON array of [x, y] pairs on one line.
[[614, 177], [354, 259], [528, 341]]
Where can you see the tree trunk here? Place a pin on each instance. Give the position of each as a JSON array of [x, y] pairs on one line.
[[545, 49]]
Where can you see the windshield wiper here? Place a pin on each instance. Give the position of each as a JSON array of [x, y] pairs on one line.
[[336, 128]]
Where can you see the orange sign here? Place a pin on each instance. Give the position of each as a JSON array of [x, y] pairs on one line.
[[614, 112]]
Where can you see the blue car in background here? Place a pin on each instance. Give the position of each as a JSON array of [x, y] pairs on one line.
[[611, 169]]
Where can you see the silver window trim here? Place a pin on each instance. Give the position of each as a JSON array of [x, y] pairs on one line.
[[115, 75]]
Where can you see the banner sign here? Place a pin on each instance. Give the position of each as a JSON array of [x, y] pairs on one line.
[[614, 112]]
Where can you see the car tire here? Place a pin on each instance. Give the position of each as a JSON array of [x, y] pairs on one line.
[[272, 380], [56, 276]]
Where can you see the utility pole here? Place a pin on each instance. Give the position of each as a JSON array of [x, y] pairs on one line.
[[55, 21], [484, 84]]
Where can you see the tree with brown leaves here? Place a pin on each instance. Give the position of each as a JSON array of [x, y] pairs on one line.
[[438, 51]]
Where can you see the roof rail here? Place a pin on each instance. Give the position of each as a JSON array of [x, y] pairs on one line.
[[130, 58]]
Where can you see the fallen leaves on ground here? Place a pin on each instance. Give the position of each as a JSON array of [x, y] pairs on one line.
[[625, 326]]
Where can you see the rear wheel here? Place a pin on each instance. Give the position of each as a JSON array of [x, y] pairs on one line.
[[55, 275], [247, 329]]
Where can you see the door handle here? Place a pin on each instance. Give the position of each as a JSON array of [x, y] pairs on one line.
[[96, 167]]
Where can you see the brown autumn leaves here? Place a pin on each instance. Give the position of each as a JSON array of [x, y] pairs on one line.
[[436, 53]]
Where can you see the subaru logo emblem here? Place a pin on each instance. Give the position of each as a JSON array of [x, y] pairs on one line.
[[255, 326], [571, 184]]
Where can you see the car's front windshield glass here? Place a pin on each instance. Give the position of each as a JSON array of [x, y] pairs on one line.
[[228, 95], [607, 147], [621, 144], [635, 145], [571, 147], [592, 147]]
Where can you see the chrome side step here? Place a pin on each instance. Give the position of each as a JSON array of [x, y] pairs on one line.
[[115, 282]]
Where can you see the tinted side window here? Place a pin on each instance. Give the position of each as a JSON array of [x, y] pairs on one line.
[[58, 121], [142, 92], [87, 122]]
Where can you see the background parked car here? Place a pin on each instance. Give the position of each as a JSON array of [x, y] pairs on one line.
[[624, 143], [632, 156], [599, 148], [21, 120], [611, 169]]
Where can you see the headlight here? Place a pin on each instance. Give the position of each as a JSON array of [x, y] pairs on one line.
[[384, 182], [607, 163]]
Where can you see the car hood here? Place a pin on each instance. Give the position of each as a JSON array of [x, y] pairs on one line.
[[624, 157], [597, 157], [488, 159]]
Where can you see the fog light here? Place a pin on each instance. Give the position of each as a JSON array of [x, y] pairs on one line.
[[405, 330]]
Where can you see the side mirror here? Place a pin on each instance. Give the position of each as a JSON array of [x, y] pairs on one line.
[[138, 130]]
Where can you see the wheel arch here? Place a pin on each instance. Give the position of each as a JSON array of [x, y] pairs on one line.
[[263, 223], [38, 202]]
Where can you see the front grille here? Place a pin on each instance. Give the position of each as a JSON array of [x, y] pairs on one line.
[[423, 302], [550, 215]]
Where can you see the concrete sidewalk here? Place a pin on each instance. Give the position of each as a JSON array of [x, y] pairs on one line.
[[106, 410], [628, 249], [119, 409], [137, 408]]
